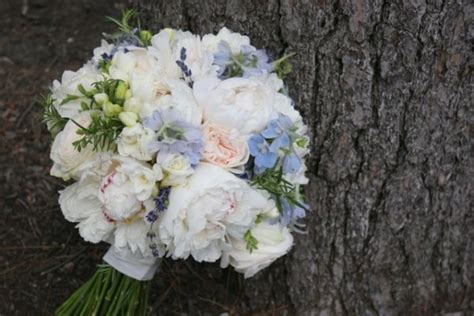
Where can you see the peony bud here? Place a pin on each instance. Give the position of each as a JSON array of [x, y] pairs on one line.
[[111, 109], [132, 105], [100, 98], [128, 118]]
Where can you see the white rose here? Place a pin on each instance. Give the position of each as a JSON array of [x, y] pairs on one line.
[[133, 142], [176, 169], [241, 103], [69, 162], [213, 205], [224, 148], [170, 94], [123, 191], [235, 40], [274, 241], [70, 81]]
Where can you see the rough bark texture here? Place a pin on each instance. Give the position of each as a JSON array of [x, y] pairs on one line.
[[386, 87]]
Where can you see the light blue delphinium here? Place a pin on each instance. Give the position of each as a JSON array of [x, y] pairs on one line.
[[265, 156], [248, 63], [175, 136], [291, 212], [281, 132]]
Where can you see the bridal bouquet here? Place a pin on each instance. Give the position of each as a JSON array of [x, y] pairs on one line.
[[175, 145]]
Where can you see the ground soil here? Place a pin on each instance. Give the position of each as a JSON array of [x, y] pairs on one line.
[[42, 257]]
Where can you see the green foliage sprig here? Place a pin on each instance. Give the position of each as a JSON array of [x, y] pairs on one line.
[[101, 133], [272, 181], [251, 241], [129, 30], [51, 116], [282, 66]]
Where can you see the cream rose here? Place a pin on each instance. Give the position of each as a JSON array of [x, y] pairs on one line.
[[201, 215], [133, 142], [274, 241], [244, 104], [134, 62], [224, 148], [176, 169], [69, 162]]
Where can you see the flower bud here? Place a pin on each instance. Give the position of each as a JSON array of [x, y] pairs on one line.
[[128, 118], [121, 91], [100, 98], [145, 36], [111, 109], [132, 105], [128, 94]]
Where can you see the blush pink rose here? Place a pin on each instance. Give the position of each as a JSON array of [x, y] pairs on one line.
[[224, 148]]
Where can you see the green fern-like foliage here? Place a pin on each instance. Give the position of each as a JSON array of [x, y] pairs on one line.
[[51, 116], [101, 133]]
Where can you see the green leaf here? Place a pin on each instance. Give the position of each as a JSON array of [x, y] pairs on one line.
[[51, 116], [101, 133], [251, 241]]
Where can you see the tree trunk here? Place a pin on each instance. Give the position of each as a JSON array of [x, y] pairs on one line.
[[386, 88]]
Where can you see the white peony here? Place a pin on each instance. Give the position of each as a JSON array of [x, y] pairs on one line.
[[274, 241], [164, 49], [133, 62], [68, 161], [176, 169], [123, 191], [244, 104], [110, 201], [133, 142], [235, 40], [212, 206], [69, 84], [168, 94], [198, 59]]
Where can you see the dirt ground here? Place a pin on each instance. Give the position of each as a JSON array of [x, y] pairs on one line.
[[42, 257]]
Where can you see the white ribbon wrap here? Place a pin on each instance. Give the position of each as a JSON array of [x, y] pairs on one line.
[[131, 264]]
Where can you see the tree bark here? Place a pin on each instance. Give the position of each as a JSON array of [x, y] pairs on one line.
[[386, 88]]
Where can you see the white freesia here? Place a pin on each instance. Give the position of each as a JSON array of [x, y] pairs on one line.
[[235, 40], [68, 161], [123, 191], [274, 241], [201, 215], [244, 104], [176, 169], [169, 94], [133, 142], [70, 81]]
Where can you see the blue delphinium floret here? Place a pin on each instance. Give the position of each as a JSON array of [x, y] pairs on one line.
[[291, 212], [265, 155], [248, 63], [175, 136]]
